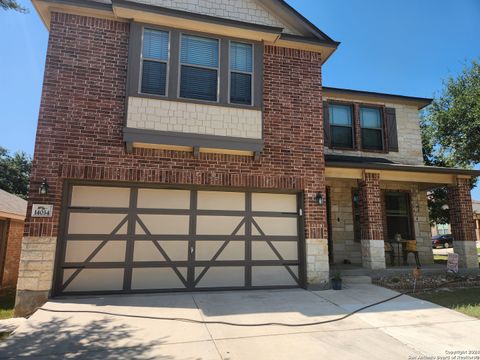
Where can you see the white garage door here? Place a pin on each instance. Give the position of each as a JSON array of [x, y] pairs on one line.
[[137, 239]]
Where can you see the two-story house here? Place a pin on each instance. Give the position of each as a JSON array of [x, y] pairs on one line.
[[189, 145]]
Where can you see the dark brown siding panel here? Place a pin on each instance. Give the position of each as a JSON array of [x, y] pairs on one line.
[[392, 134], [326, 124]]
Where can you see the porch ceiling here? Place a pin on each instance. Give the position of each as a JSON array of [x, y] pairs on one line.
[[348, 167]]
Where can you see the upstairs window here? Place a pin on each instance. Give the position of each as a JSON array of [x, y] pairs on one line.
[[241, 73], [341, 126], [154, 62], [199, 65], [371, 127]]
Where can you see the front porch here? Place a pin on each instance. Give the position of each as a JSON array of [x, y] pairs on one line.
[[368, 208]]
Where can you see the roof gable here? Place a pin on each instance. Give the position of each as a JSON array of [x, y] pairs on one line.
[[251, 11]]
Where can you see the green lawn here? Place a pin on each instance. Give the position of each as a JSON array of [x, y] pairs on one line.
[[443, 258], [466, 301], [7, 302]]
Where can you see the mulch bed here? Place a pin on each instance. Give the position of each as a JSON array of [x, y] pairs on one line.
[[406, 282]]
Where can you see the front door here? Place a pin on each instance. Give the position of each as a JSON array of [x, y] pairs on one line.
[[398, 215]]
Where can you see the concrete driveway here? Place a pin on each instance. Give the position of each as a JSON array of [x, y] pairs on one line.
[[395, 330]]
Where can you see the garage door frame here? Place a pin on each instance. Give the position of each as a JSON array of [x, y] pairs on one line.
[[61, 243]]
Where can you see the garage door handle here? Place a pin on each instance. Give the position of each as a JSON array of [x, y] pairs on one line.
[[191, 249]]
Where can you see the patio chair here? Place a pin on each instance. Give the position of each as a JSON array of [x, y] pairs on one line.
[[410, 247]]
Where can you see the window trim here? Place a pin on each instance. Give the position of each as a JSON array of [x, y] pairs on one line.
[[381, 128], [252, 74], [134, 63], [352, 113], [217, 69], [142, 59], [357, 134]]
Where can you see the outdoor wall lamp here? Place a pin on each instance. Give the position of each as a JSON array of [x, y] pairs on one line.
[[319, 199], [43, 189]]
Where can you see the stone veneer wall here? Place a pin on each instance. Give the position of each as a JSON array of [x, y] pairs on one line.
[[344, 245], [409, 140], [79, 136], [152, 114], [241, 10], [318, 266]]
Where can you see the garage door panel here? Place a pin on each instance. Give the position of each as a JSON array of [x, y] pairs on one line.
[[89, 223], [221, 276], [95, 280], [157, 278], [112, 251], [165, 224], [274, 276], [146, 251], [220, 200], [277, 226], [176, 250], [220, 225], [274, 202], [163, 199], [206, 250], [79, 251], [288, 250], [100, 196]]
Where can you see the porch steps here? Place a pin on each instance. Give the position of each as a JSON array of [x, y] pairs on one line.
[[360, 279]]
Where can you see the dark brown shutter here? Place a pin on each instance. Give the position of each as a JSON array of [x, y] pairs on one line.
[[392, 129], [326, 124]]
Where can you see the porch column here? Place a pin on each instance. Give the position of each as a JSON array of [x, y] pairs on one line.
[[371, 225], [462, 223]]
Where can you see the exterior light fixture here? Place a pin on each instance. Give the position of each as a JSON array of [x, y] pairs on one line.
[[43, 189], [319, 199]]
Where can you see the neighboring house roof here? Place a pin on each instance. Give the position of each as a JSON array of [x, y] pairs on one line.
[[12, 206], [373, 163], [419, 102]]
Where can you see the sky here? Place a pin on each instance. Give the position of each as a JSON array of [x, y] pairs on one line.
[[404, 47]]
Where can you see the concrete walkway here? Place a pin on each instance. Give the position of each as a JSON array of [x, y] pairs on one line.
[[395, 330]]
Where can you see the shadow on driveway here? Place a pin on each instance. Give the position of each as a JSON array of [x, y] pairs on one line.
[[62, 339]]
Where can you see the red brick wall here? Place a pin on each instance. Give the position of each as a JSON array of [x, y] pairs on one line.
[[371, 219], [82, 113], [12, 253], [461, 212]]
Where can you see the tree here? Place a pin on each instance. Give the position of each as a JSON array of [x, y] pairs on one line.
[[451, 132], [454, 119], [12, 5], [15, 172]]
